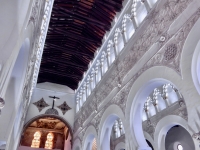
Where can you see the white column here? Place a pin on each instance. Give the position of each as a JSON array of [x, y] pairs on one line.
[[133, 14], [108, 57], [116, 129], [146, 4], [124, 29], [133, 18], [116, 44], [82, 96], [165, 99], [80, 99], [77, 104], [102, 62], [115, 50], [89, 85], [84, 93], [92, 81], [107, 60], [102, 68], [97, 73], [94, 77], [146, 109], [121, 128], [155, 104], [124, 36]]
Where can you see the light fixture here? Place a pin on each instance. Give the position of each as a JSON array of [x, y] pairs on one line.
[[179, 147]]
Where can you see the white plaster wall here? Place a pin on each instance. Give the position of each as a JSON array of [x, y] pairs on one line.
[[14, 17], [14, 28], [13, 111], [44, 90]]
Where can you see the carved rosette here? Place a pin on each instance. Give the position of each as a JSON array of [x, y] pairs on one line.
[[170, 52], [41, 104]]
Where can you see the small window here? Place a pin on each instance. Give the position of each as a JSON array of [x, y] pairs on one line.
[[49, 141], [179, 147], [36, 140]]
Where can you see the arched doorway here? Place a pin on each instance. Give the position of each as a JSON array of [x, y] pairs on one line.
[[46, 132]]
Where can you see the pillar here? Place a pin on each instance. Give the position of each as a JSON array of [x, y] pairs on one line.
[[146, 4]]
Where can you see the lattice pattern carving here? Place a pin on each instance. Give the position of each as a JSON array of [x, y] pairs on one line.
[[41, 104], [64, 107]]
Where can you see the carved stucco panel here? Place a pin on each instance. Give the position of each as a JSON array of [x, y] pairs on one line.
[[170, 54], [161, 20]]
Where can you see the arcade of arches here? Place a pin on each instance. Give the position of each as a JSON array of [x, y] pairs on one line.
[[100, 75]]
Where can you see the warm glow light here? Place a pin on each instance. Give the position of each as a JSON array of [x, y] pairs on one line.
[[49, 141], [180, 147], [36, 140]]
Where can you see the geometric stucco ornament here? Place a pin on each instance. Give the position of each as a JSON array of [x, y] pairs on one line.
[[2, 104], [41, 104], [170, 52], [64, 107]]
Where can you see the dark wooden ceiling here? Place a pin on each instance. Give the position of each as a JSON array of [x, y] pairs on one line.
[[75, 32]]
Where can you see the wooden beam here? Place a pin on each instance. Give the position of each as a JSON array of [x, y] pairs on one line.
[[60, 73], [63, 63], [63, 49]]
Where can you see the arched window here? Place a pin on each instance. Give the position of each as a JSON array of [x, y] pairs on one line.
[[49, 141], [36, 140], [94, 144]]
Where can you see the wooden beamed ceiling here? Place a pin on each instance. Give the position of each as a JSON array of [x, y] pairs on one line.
[[75, 32]]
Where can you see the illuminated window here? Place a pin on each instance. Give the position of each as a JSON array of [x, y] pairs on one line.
[[94, 145], [179, 147], [49, 141], [36, 140]]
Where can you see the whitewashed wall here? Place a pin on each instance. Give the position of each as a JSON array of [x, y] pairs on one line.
[[44, 90]]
